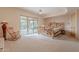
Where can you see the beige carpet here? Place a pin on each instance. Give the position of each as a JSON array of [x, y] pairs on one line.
[[40, 43]]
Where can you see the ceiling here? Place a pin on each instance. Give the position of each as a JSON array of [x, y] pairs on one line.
[[49, 11]]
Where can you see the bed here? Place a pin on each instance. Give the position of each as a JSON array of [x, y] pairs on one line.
[[54, 29]]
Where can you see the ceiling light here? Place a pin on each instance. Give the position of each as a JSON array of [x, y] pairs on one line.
[[40, 11]]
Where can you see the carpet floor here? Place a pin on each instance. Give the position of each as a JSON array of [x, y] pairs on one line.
[[41, 43]]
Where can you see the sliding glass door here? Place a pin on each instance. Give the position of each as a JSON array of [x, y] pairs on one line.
[[33, 26], [28, 26]]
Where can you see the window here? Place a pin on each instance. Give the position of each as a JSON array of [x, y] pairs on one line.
[[28, 25], [23, 25]]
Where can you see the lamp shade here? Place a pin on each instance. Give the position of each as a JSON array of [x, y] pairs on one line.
[[4, 22]]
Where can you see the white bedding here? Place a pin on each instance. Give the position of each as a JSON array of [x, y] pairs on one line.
[[57, 29]]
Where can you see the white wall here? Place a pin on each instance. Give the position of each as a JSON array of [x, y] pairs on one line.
[[77, 24], [60, 19], [12, 16]]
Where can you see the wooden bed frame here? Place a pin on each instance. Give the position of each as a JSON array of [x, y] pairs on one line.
[[54, 29]]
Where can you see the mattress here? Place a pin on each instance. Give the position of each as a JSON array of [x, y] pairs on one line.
[[57, 29]]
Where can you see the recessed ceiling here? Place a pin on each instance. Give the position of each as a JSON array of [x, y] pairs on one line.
[[47, 11]]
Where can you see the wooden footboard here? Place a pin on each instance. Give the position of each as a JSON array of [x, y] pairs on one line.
[[57, 33]]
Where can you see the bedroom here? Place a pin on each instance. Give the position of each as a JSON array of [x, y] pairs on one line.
[[40, 28]]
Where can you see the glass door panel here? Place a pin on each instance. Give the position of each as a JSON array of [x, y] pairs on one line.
[[35, 26], [31, 28], [23, 25]]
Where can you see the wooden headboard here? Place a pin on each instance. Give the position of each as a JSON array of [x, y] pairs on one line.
[[54, 25]]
